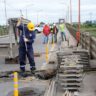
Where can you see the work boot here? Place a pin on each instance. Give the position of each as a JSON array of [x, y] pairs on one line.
[[32, 70], [23, 74]]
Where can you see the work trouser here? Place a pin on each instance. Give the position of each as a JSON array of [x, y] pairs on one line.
[[45, 39], [23, 51], [53, 38], [63, 36]]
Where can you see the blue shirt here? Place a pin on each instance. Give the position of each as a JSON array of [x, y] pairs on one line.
[[30, 35]]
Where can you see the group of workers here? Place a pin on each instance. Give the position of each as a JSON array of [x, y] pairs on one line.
[[52, 31]]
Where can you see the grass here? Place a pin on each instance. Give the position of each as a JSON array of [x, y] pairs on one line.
[[3, 31], [91, 30]]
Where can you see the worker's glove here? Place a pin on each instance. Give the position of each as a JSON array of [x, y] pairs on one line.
[[26, 40]]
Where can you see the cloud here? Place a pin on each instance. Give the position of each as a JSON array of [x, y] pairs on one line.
[[51, 8]]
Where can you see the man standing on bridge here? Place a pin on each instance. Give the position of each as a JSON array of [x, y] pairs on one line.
[[25, 45], [46, 32], [62, 30], [55, 31]]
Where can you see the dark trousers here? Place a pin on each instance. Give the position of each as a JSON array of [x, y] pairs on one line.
[[63, 36], [54, 38], [23, 51], [45, 39]]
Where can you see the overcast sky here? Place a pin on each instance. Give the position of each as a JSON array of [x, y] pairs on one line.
[[47, 10]]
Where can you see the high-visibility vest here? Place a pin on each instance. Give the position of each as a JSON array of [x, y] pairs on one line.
[[61, 27]]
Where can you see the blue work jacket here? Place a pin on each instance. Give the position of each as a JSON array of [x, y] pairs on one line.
[[26, 33]]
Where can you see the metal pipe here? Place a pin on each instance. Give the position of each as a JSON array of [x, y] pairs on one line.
[[26, 13], [5, 12], [70, 12], [79, 16]]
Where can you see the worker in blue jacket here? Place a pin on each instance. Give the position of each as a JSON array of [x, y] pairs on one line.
[[26, 40]]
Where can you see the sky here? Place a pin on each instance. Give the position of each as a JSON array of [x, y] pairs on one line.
[[48, 11]]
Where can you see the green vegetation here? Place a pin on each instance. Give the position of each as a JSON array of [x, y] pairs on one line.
[[91, 30], [3, 30], [88, 26]]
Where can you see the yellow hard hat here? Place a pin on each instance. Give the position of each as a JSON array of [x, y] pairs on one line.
[[30, 26]]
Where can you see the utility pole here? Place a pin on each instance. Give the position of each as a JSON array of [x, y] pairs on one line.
[[68, 13], [38, 15], [90, 14], [78, 32], [21, 14], [37, 18], [79, 16], [26, 13], [71, 12], [5, 12]]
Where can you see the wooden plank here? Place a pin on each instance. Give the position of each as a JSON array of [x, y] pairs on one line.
[[66, 84], [70, 75], [93, 40], [71, 79], [93, 54], [93, 48]]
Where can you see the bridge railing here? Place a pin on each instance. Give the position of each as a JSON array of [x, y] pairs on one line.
[[89, 42], [86, 40], [71, 29]]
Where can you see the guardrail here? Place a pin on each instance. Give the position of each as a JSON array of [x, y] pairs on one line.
[[71, 29], [88, 42]]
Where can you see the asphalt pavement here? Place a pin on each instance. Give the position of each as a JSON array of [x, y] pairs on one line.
[[89, 85], [39, 47]]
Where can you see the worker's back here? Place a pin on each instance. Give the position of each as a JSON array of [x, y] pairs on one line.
[[55, 30], [61, 27], [46, 30]]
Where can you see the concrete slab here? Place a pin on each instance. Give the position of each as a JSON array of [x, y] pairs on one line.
[[93, 63], [89, 85], [8, 87]]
